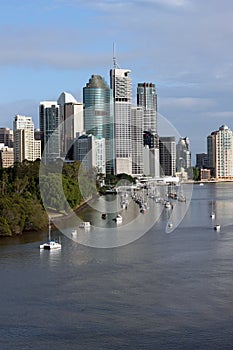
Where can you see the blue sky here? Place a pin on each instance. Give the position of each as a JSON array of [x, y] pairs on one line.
[[183, 46]]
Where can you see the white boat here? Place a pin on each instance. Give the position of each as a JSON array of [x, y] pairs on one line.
[[51, 244], [167, 205], [201, 184], [217, 227], [118, 219], [85, 225]]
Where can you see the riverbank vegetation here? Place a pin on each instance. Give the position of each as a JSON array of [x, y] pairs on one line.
[[21, 205]]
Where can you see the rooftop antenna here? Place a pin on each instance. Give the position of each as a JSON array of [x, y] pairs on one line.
[[115, 65]]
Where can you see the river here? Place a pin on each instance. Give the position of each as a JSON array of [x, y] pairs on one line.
[[162, 291]]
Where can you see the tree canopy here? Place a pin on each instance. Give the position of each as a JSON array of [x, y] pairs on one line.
[[26, 193]]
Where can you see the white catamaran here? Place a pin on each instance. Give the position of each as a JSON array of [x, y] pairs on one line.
[[51, 244]]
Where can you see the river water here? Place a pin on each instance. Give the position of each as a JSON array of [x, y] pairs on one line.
[[162, 291]]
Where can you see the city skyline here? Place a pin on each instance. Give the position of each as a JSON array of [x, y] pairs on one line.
[[183, 46]]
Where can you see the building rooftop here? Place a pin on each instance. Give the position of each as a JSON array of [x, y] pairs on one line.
[[96, 81]]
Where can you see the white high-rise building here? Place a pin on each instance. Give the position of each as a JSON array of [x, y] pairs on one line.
[[220, 153], [25, 146], [6, 156], [121, 85], [183, 154]]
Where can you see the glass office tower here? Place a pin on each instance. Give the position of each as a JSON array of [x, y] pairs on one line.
[[147, 98], [98, 115]]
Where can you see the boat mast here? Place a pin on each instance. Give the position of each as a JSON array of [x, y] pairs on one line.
[[49, 228]]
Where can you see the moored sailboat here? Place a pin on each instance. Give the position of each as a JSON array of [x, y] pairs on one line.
[[51, 244]]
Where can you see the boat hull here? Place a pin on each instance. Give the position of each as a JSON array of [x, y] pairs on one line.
[[50, 246]]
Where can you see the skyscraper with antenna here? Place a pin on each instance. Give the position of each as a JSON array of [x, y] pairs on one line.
[[115, 65], [121, 85]]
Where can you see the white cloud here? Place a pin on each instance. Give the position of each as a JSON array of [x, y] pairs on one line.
[[173, 3], [44, 47], [219, 115], [186, 103], [110, 4]]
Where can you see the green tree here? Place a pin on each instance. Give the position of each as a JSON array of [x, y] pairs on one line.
[[4, 227]]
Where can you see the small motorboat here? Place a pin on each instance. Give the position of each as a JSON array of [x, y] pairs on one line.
[[217, 227], [118, 219], [167, 205]]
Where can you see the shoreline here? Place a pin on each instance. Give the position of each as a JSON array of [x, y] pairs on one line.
[[55, 217], [55, 214], [213, 181], [59, 217], [206, 181]]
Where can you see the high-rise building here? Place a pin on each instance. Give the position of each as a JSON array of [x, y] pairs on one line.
[[151, 153], [25, 146], [147, 99], [6, 156], [72, 122], [98, 116], [211, 153], [201, 160], [137, 141], [220, 153], [6, 137], [183, 154], [167, 154], [51, 130], [121, 85], [90, 151]]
